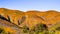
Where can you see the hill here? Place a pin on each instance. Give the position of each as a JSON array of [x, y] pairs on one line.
[[12, 18]]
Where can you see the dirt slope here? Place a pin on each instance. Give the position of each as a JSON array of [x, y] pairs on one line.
[[9, 27]]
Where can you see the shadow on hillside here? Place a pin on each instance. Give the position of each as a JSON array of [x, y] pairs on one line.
[[1, 17]]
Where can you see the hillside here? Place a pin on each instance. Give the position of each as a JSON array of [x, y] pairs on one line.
[[13, 20]]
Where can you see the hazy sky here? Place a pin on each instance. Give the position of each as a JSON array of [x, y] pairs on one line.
[[25, 5]]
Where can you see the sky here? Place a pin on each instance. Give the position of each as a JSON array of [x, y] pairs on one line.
[[25, 5]]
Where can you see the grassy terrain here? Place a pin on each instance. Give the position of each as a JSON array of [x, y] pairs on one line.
[[8, 28], [3, 32]]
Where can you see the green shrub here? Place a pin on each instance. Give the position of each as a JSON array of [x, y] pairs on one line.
[[52, 32], [58, 28], [40, 27], [1, 30], [25, 29]]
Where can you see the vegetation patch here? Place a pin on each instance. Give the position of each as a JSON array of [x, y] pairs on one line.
[[38, 29], [3, 32]]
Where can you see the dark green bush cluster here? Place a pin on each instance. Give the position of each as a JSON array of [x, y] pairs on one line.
[[58, 28], [25, 29], [39, 28]]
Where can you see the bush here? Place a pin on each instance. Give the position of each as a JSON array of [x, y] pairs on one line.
[[1, 30], [25, 29], [46, 32], [58, 28], [40, 27]]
